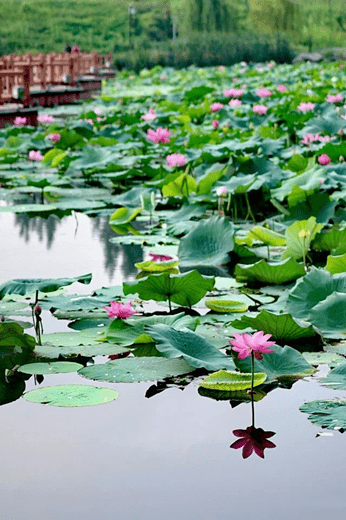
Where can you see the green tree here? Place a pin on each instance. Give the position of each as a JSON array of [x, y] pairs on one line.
[[211, 16]]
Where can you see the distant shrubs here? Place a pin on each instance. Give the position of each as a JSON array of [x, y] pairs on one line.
[[205, 50]]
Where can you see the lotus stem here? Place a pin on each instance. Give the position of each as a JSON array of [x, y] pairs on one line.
[[252, 385]]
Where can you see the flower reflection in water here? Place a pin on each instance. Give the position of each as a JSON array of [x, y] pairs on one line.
[[253, 440]]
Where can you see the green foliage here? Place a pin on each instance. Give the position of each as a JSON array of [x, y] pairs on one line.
[[195, 349], [71, 395], [128, 370], [282, 327], [208, 243], [184, 289], [270, 273], [330, 414], [231, 381], [284, 364], [23, 286]]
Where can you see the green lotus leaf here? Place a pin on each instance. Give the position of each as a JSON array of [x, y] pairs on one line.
[[9, 307], [184, 289], [299, 236], [336, 264], [124, 216], [285, 363], [239, 396], [231, 381], [93, 157], [309, 180], [270, 273], [13, 339], [333, 240], [267, 236], [226, 306], [313, 288], [29, 208], [157, 267], [23, 285], [195, 349], [55, 367], [329, 315], [71, 395], [197, 93], [129, 370], [305, 206], [182, 186], [280, 326], [207, 244], [131, 332], [323, 358], [49, 156], [330, 414], [336, 378]]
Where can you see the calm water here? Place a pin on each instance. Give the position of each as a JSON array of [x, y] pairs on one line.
[[166, 457]]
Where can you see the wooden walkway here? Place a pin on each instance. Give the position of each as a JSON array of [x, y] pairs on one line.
[[42, 80]]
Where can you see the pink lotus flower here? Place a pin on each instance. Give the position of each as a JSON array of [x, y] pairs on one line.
[[324, 159], [97, 111], [54, 137], [35, 155], [118, 310], [159, 258], [45, 118], [150, 115], [306, 107], [160, 136], [264, 92], [221, 191], [235, 103], [215, 107], [281, 88], [215, 123], [334, 99], [261, 110], [235, 80], [222, 67], [258, 343], [90, 121], [253, 440], [20, 121], [233, 92], [162, 77], [176, 159]]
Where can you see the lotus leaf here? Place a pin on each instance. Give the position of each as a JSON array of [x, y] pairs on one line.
[[128, 370], [231, 381], [195, 349], [285, 363], [184, 289], [71, 395], [280, 326], [265, 272], [327, 413], [207, 244]]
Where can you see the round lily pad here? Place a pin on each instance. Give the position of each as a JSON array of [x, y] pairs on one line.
[[71, 395], [56, 367], [129, 370], [226, 306]]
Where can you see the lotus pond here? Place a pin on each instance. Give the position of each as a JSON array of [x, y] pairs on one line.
[[141, 233]]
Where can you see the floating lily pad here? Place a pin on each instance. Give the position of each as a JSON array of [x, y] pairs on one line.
[[129, 370], [330, 414], [56, 367], [71, 395]]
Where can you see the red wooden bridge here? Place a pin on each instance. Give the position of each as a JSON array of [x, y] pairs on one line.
[[34, 80]]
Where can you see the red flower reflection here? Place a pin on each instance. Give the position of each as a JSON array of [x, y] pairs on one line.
[[253, 440]]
